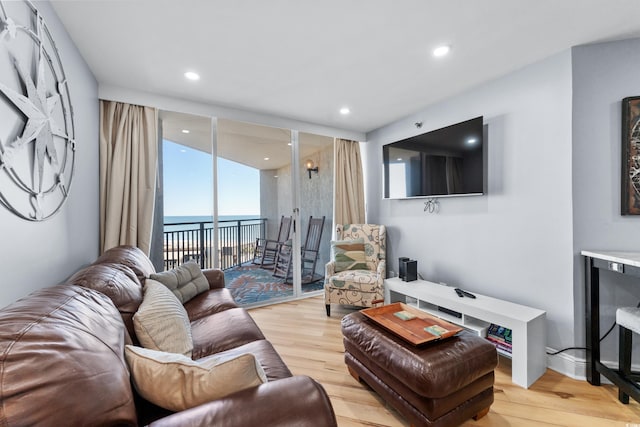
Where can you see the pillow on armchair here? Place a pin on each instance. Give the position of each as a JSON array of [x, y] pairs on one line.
[[349, 255]]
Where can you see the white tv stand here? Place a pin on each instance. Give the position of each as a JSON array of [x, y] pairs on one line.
[[529, 360]]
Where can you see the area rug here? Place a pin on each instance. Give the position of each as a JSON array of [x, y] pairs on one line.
[[250, 284]]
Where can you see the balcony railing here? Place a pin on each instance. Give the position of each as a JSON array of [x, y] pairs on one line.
[[186, 241]]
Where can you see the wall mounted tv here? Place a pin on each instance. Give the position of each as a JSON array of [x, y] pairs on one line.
[[443, 162]]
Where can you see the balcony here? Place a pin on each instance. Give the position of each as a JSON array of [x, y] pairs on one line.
[[187, 241], [249, 284]]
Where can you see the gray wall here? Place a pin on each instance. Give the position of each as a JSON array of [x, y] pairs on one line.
[[516, 242], [34, 255], [316, 198], [603, 74]]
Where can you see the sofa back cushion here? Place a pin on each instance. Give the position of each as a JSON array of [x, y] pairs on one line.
[[62, 360], [119, 283], [130, 256]]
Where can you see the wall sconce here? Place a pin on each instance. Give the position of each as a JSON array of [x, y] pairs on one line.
[[310, 168]]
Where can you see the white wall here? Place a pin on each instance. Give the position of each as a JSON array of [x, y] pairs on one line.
[[603, 74], [34, 255], [516, 242]]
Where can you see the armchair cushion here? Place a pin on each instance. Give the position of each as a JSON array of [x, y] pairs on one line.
[[349, 255], [356, 280], [175, 382], [185, 281]]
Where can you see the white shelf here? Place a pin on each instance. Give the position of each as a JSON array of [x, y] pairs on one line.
[[504, 352], [529, 360], [472, 324]]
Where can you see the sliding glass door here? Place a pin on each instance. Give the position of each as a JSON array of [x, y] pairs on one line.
[[261, 187], [315, 176], [184, 205], [253, 200]]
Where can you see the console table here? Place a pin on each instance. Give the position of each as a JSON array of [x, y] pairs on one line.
[[620, 262], [529, 359]]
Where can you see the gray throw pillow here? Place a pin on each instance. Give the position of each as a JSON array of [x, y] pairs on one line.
[[185, 281]]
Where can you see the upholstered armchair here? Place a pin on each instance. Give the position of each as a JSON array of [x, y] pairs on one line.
[[356, 272]]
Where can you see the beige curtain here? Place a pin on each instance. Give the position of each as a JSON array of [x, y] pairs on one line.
[[349, 185], [128, 164]]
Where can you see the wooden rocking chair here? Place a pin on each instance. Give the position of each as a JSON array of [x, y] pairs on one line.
[[266, 250], [309, 259]]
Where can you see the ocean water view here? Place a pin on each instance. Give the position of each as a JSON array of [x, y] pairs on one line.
[[222, 219]]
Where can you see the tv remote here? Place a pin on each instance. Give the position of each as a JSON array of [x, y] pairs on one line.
[[462, 293]]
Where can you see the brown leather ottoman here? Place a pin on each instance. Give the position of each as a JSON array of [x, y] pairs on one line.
[[440, 384]]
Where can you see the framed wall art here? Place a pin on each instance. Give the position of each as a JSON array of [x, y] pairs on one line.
[[631, 156]]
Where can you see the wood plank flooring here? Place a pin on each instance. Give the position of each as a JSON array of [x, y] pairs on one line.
[[311, 344]]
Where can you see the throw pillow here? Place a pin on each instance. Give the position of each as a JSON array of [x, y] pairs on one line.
[[161, 322], [185, 281], [176, 382], [349, 255]]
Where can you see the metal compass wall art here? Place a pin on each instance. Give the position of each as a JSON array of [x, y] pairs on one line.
[[37, 146]]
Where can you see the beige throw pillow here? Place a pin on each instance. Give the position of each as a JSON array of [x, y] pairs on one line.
[[161, 322], [176, 382], [185, 281]]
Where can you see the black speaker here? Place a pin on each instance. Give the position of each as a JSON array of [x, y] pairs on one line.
[[401, 267], [411, 271]]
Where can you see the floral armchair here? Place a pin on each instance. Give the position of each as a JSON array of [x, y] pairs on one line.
[[359, 281]]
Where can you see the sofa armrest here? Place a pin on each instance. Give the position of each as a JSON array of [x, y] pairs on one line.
[[215, 277], [296, 401]]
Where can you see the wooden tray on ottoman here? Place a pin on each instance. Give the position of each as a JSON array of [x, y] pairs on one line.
[[411, 330]]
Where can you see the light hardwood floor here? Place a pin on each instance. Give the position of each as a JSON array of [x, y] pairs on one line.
[[311, 344]]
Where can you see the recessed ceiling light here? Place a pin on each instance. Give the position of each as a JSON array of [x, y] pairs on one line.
[[441, 51], [185, 130], [399, 159], [471, 141], [345, 110], [266, 158], [192, 76]]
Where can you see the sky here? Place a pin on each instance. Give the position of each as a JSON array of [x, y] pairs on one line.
[[188, 184]]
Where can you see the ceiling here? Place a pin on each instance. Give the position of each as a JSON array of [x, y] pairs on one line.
[[304, 60], [260, 147]]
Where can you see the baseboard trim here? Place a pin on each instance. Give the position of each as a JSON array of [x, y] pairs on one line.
[[567, 364], [576, 367]]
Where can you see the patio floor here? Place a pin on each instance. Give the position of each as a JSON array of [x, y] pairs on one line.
[[251, 285]]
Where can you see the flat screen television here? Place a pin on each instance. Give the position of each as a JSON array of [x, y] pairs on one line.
[[443, 162]]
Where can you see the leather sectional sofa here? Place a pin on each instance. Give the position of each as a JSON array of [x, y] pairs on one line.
[[62, 356]]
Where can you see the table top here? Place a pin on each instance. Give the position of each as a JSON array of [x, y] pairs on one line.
[[629, 258], [416, 329]]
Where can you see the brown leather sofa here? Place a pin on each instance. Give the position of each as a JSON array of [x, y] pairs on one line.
[[62, 356]]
